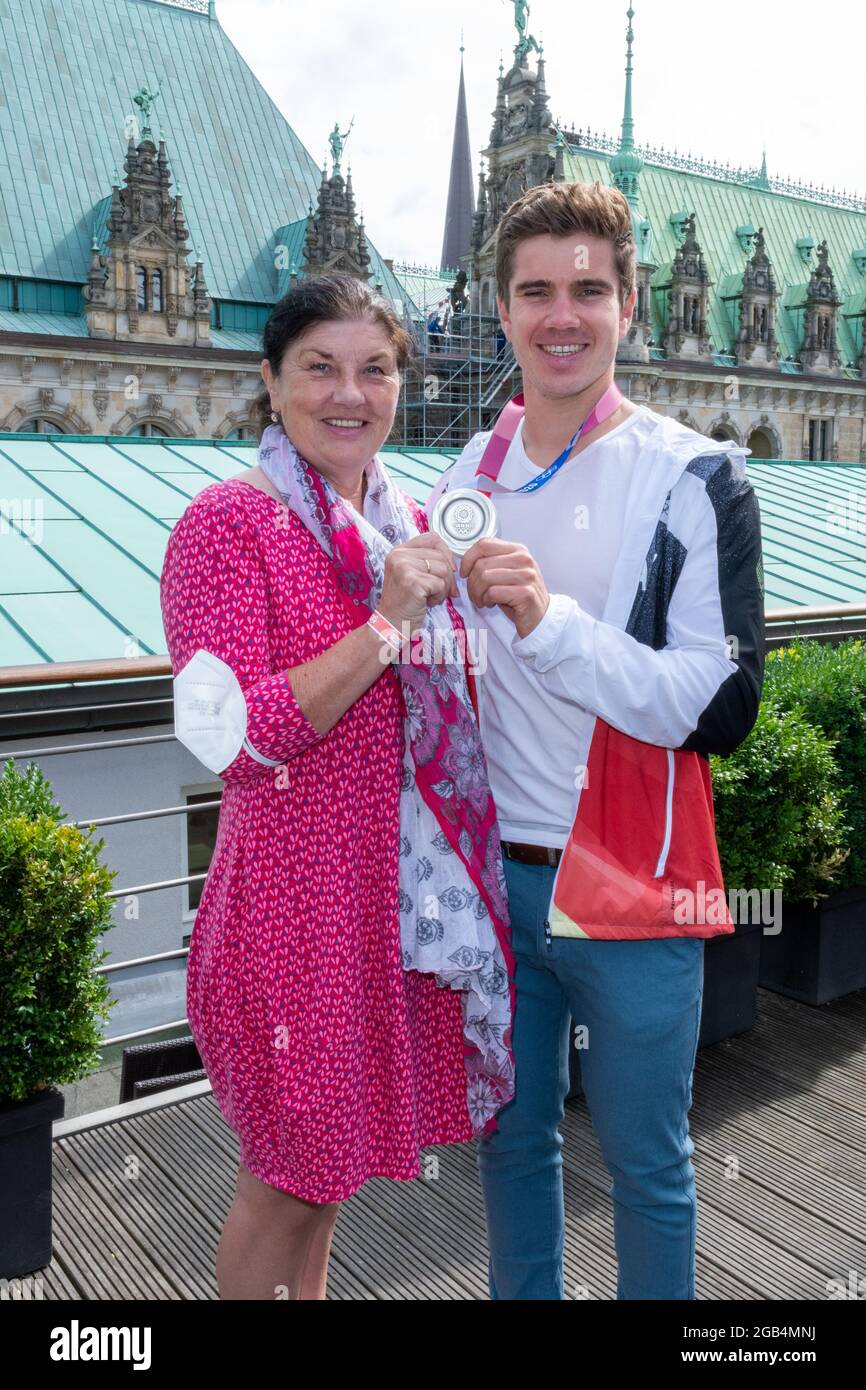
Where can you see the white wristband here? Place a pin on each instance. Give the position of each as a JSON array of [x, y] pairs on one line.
[[387, 631]]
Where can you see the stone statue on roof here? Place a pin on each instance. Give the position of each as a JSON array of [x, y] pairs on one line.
[[338, 140], [525, 42]]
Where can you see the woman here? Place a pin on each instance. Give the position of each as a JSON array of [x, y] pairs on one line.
[[350, 978]]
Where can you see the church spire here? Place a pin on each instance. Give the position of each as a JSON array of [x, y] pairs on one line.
[[457, 240], [626, 164]]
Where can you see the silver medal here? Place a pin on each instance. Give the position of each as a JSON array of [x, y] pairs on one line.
[[462, 517]]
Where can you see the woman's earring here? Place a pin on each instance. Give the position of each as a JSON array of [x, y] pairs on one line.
[[275, 417]]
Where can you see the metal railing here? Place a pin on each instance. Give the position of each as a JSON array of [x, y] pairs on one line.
[[800, 615], [823, 623], [71, 673], [579, 140], [499, 378], [178, 953]]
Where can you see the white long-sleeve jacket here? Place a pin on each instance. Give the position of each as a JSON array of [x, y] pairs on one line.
[[671, 673]]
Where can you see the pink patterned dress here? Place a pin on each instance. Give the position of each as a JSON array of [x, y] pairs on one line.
[[331, 1062]]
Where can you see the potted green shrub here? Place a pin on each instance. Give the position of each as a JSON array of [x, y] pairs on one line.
[[54, 909], [821, 951], [780, 829]]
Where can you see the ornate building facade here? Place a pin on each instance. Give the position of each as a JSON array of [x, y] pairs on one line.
[[749, 322], [129, 306]]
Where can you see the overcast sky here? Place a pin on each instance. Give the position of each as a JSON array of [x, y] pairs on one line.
[[716, 81]]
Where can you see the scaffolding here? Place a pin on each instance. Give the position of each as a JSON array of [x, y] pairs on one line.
[[464, 370]]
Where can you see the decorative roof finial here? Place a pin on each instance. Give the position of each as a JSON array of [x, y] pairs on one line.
[[627, 141], [626, 164]]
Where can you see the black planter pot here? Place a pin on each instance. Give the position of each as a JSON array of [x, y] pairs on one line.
[[731, 965], [575, 1085], [25, 1181], [820, 953]]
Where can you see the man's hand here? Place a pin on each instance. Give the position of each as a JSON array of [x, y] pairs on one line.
[[503, 574]]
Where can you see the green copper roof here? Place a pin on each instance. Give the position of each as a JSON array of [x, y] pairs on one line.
[[68, 72], [81, 569], [720, 208], [64, 325], [75, 326]]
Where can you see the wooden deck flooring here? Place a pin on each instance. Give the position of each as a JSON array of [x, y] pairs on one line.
[[787, 1100]]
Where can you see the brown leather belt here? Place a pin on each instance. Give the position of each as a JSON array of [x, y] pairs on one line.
[[531, 854]]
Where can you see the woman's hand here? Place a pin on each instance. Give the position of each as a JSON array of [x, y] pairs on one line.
[[418, 575]]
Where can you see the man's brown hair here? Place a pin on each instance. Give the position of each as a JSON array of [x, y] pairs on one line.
[[568, 209]]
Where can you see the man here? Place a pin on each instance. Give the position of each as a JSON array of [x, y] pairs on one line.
[[622, 605], [434, 330]]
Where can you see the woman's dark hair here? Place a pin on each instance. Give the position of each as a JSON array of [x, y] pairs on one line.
[[325, 299]]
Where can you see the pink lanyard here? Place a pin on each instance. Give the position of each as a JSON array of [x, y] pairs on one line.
[[506, 427]]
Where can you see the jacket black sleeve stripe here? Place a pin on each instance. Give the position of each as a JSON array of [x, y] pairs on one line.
[[732, 711]]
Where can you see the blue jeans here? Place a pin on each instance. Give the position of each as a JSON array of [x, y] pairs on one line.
[[640, 1004]]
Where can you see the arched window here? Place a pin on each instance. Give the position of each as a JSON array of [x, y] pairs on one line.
[[146, 429], [39, 425], [140, 288], [761, 444], [243, 432], [157, 292]]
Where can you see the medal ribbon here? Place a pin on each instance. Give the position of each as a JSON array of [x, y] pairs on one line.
[[506, 427]]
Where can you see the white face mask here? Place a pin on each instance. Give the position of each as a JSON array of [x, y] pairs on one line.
[[210, 711]]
